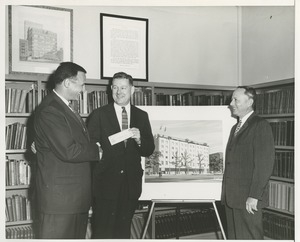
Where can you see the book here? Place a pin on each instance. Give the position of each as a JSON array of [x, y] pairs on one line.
[[17, 101], [13, 99], [22, 101], [7, 99], [9, 208]]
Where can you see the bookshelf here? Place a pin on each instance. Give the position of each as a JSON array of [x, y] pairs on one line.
[[277, 217], [176, 221], [276, 104], [23, 93]]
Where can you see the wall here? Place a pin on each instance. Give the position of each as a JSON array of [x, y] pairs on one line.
[[268, 45], [198, 45], [195, 45]]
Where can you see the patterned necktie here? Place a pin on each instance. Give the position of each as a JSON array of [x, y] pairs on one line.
[[78, 117], [238, 127], [124, 121]]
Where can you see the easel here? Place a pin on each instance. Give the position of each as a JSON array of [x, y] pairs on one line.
[[182, 201]]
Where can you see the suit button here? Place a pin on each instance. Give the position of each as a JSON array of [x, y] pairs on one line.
[[121, 171]]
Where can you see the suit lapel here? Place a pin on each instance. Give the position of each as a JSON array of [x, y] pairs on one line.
[[68, 112], [243, 128], [132, 117], [246, 124], [113, 120]]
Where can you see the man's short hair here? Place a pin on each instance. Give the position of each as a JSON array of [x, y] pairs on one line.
[[251, 93], [123, 75], [67, 70]]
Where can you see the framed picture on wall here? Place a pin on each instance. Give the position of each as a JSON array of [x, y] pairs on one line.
[[124, 46], [40, 37]]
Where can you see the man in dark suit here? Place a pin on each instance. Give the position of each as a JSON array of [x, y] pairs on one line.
[[117, 178], [64, 152], [249, 163]]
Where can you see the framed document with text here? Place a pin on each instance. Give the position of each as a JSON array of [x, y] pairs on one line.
[[124, 46]]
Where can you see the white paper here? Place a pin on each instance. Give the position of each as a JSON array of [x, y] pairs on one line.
[[119, 137]]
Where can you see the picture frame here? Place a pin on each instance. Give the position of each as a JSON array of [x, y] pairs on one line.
[[124, 46], [40, 37], [206, 125]]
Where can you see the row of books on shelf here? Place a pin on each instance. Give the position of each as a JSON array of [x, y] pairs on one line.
[[275, 102], [87, 102], [20, 232], [142, 96], [18, 208], [19, 100], [281, 196], [278, 227], [18, 172], [190, 99], [191, 222], [283, 132], [284, 164], [15, 136]]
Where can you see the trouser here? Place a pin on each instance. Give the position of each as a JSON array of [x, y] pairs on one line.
[[112, 217], [244, 225], [62, 226]]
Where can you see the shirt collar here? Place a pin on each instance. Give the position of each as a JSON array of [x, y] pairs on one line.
[[62, 98], [119, 108], [244, 119]]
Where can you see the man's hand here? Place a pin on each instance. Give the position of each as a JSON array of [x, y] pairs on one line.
[[136, 135], [251, 205], [100, 150], [33, 149]]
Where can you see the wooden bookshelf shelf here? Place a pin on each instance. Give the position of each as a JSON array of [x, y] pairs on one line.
[[282, 147], [19, 187], [280, 115], [283, 179], [280, 211], [17, 151], [18, 223], [26, 115]]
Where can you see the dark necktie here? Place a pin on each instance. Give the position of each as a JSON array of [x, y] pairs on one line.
[[124, 121], [78, 117], [238, 127]]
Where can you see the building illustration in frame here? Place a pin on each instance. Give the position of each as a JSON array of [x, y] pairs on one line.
[[183, 151], [39, 44]]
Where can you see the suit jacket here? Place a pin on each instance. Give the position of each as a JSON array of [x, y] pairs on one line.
[[63, 177], [117, 160], [249, 162]]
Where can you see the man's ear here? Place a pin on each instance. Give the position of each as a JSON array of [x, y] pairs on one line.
[[66, 83], [250, 101], [132, 90]]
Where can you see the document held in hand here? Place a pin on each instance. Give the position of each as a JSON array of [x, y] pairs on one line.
[[119, 137]]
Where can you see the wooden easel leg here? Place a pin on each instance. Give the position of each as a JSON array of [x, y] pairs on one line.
[[219, 220], [148, 220]]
